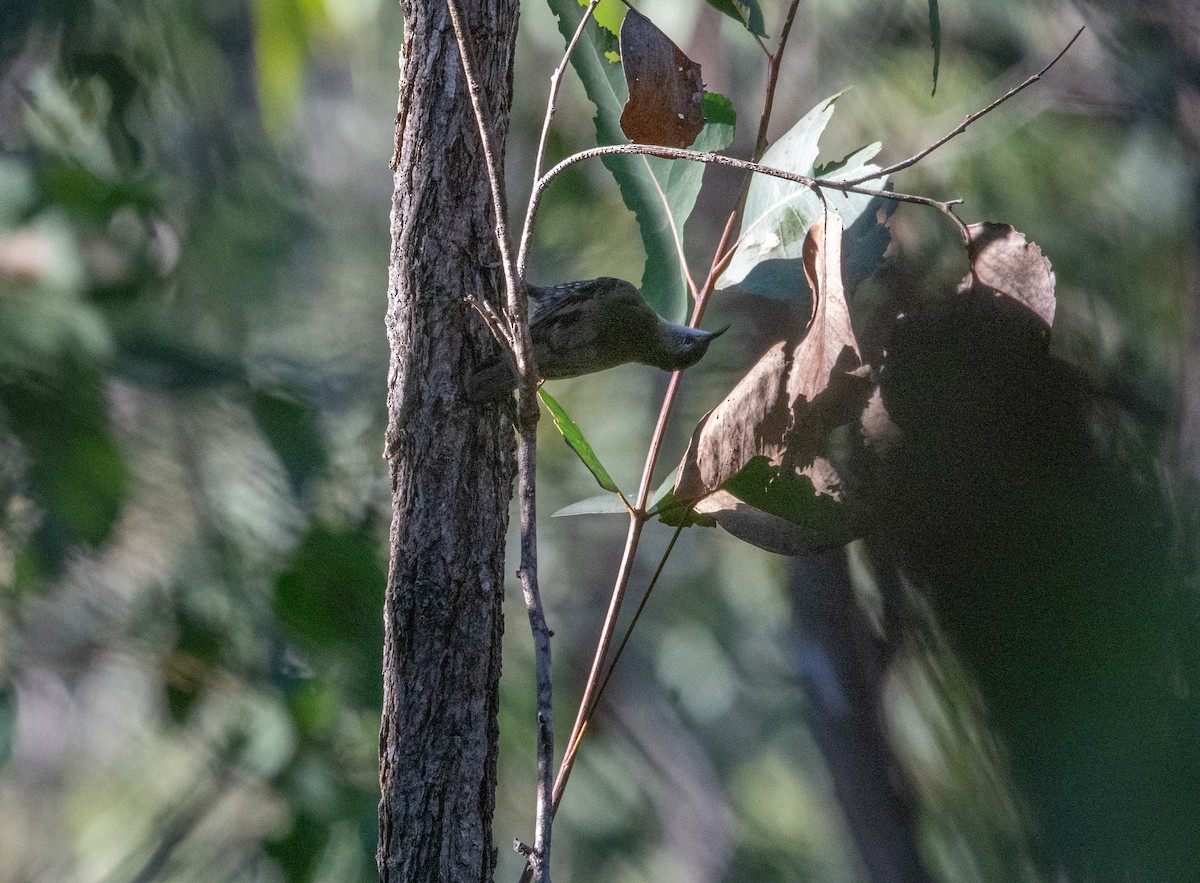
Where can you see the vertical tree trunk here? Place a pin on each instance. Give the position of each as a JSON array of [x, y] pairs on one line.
[[451, 464]]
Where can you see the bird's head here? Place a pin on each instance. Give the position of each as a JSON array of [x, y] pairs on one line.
[[683, 346]]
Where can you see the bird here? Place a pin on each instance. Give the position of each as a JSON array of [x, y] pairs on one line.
[[592, 325]]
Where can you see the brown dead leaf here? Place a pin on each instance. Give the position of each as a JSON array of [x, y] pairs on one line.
[[1005, 263], [666, 93], [784, 409], [752, 418], [827, 375]]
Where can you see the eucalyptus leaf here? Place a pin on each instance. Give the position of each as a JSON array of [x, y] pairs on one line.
[[779, 213], [574, 437], [663, 493], [291, 426], [746, 12], [781, 491], [78, 475], [673, 513], [602, 504], [935, 38]]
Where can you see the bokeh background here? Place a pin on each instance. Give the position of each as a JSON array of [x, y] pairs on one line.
[[193, 503]]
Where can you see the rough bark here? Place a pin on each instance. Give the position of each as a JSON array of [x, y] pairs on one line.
[[451, 462]]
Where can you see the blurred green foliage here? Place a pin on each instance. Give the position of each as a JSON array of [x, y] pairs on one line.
[[193, 246], [192, 494]]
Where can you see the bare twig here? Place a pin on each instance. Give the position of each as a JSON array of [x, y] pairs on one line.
[[518, 317], [551, 106], [516, 300], [962, 127], [775, 59], [495, 323], [943, 206], [637, 614]]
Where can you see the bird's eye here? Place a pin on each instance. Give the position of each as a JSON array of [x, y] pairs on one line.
[[689, 342]]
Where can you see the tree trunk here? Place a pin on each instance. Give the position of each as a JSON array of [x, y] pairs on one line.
[[451, 463]]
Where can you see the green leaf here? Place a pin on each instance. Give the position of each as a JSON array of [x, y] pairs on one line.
[[674, 514], [670, 512], [661, 193], [718, 110], [574, 437], [745, 12], [602, 504], [778, 214], [608, 14], [662, 504], [780, 491], [160, 361], [298, 851], [87, 196], [935, 37], [663, 492]]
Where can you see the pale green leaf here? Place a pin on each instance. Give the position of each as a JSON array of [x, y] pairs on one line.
[[604, 504], [778, 214]]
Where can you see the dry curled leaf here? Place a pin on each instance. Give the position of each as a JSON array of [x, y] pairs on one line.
[[1005, 263], [666, 93], [783, 411]]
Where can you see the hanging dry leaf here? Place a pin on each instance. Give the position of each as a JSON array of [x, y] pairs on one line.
[[666, 93], [962, 367], [753, 417], [782, 413], [1008, 265]]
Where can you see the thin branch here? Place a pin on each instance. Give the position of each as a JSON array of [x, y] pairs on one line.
[[943, 206], [637, 522], [551, 107], [517, 309], [637, 614], [676, 232], [773, 64], [962, 127], [495, 324], [516, 300]]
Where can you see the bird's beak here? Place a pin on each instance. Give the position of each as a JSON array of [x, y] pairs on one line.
[[709, 335]]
